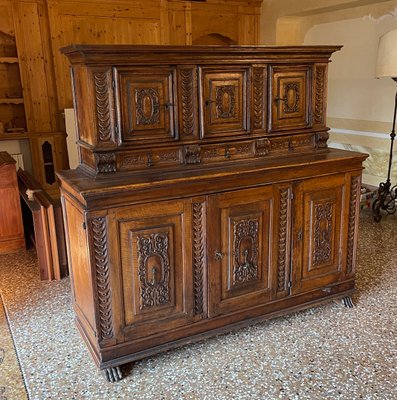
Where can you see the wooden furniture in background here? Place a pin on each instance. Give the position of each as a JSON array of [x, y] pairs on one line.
[[32, 31], [43, 222], [11, 227], [206, 197]]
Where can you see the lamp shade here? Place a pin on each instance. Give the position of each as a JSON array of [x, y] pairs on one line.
[[387, 55]]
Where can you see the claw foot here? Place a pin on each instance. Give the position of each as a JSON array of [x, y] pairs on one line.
[[113, 374]]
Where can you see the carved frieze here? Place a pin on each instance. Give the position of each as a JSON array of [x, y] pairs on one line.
[[354, 190], [192, 154], [262, 147], [323, 230], [321, 139], [153, 270], [102, 82], [147, 105], [198, 257], [105, 162], [225, 100], [245, 251], [99, 229]]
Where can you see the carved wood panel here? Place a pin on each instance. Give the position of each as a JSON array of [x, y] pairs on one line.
[[156, 267], [240, 249], [147, 104], [225, 102], [319, 231], [355, 186], [320, 94], [259, 81], [290, 97]]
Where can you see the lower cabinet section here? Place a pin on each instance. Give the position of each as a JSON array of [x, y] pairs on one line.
[[162, 273]]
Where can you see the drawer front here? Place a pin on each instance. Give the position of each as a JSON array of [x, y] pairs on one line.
[[224, 102], [156, 268], [147, 104], [290, 97]]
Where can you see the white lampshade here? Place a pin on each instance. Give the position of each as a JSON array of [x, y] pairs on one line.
[[387, 55]]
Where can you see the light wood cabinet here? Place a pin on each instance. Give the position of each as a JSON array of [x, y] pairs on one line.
[[194, 209]]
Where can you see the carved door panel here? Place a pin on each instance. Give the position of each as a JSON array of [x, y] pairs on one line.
[[147, 104], [239, 249], [155, 267], [224, 102], [319, 232], [290, 97]]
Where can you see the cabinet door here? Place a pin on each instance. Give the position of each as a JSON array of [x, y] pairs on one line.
[[290, 97], [239, 249], [224, 102], [147, 104], [156, 267], [319, 232]]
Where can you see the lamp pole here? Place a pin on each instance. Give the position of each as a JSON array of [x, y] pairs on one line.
[[387, 195]]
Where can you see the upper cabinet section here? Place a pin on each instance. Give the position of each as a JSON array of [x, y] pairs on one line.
[[170, 106]]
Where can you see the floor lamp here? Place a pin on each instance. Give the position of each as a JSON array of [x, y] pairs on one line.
[[387, 67]]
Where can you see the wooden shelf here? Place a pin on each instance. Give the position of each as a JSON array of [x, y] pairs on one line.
[[11, 101], [9, 60], [14, 136]]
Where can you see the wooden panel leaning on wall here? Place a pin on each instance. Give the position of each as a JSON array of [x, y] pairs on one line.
[[206, 197]]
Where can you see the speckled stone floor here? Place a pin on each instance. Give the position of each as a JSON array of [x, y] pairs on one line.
[[327, 352]]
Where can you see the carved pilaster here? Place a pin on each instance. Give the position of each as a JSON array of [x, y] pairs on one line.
[[259, 98], [198, 257], [282, 240], [104, 106], [99, 229], [319, 95], [188, 80], [354, 190]]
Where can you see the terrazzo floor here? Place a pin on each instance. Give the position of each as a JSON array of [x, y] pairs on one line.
[[327, 352]]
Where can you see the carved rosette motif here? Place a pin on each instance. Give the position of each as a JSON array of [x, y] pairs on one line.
[[282, 240], [295, 88], [187, 94], [259, 106], [147, 106], [355, 186], [225, 95], [102, 82], [105, 162], [319, 96], [153, 270], [245, 251], [198, 257], [98, 226], [262, 147], [192, 154], [323, 214]]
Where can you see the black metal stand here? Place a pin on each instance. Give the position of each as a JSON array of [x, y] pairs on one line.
[[387, 194]]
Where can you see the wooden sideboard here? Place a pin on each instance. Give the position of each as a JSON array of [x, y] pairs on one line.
[[206, 197]]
